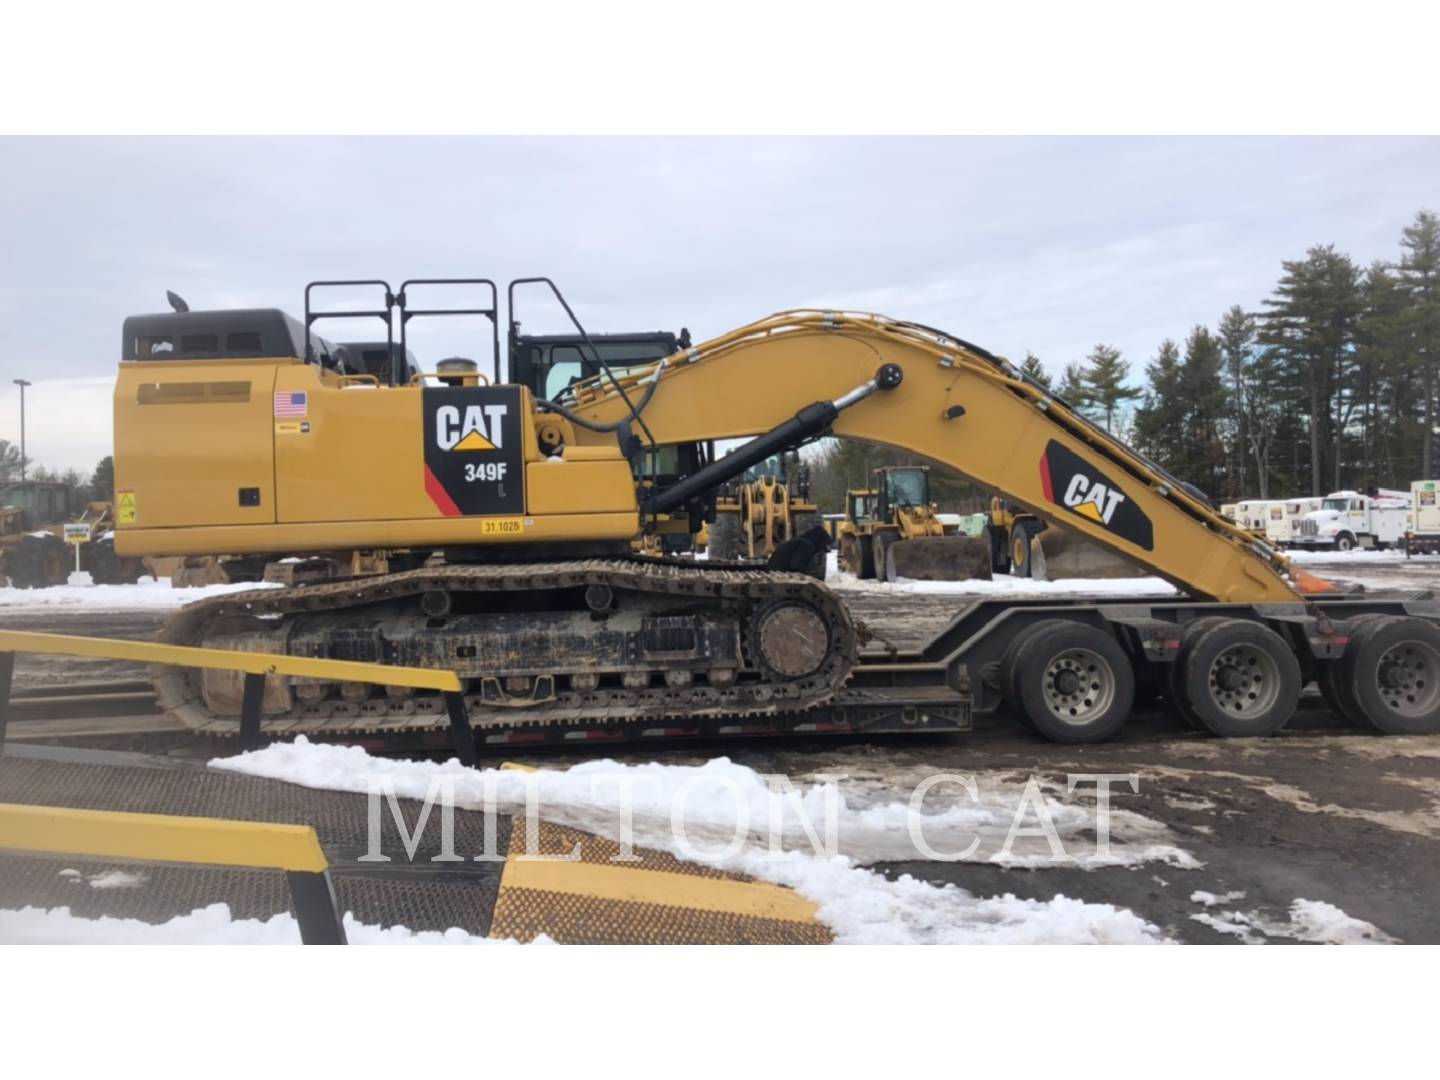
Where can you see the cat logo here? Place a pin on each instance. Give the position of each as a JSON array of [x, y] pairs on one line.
[[1069, 481], [1092, 498], [480, 427]]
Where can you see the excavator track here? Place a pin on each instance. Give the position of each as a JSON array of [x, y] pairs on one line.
[[574, 645]]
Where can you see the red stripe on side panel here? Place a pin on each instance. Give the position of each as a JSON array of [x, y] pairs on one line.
[[439, 496], [1045, 478]]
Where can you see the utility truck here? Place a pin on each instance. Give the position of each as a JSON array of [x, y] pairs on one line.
[[1348, 519], [1422, 537]]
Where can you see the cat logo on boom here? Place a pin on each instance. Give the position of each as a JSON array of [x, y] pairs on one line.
[[1069, 481], [479, 427], [1092, 498]]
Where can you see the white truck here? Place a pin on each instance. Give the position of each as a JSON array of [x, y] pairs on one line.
[[1282, 520], [1348, 519], [1253, 513], [1423, 535]]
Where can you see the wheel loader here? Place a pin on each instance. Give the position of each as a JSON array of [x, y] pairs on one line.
[[764, 509], [891, 530], [1023, 545], [510, 508], [33, 551]]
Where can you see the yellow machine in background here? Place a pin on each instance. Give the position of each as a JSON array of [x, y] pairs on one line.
[[891, 530], [768, 506], [34, 553], [507, 513]]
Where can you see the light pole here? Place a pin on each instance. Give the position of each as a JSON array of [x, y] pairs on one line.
[[22, 383]]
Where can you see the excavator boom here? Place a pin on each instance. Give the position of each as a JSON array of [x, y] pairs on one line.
[[957, 406]]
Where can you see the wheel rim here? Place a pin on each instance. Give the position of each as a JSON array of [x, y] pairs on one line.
[[1079, 686], [1244, 681], [1408, 679]]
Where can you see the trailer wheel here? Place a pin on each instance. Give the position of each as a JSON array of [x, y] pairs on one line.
[[724, 545], [1336, 687], [1392, 668], [1240, 679], [1173, 677], [880, 554], [1073, 682], [1010, 668]]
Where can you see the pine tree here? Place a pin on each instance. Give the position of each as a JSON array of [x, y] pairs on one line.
[[9, 460], [1160, 417], [1104, 381], [1236, 334], [1311, 326], [102, 480], [1035, 371], [1419, 274], [1072, 389], [1203, 393]]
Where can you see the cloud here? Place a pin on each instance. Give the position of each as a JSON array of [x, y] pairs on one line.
[[1049, 245]]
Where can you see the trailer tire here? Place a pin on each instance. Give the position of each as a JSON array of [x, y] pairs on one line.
[[1240, 679], [1073, 681], [1010, 669], [1173, 677], [1392, 669], [1335, 687]]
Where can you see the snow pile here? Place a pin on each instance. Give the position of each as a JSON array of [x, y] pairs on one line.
[[1309, 920], [1004, 585], [148, 595], [809, 839], [1209, 899], [702, 812], [117, 879], [1338, 559], [211, 925]]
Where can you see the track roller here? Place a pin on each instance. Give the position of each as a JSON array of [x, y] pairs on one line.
[[1235, 678], [1391, 673], [1072, 682]]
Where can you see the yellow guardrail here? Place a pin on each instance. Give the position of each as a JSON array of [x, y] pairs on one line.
[[255, 666], [168, 838], [149, 652]]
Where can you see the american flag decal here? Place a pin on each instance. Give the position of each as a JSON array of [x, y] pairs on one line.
[[291, 403]]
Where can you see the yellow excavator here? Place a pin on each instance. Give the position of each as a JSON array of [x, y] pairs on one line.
[[511, 517]]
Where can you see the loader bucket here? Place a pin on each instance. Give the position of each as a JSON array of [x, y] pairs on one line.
[[1067, 554], [940, 558]]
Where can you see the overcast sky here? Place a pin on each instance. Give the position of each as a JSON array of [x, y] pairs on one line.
[[1046, 245]]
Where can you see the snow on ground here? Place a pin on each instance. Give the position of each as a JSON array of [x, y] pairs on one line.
[[211, 925], [149, 594], [1335, 560], [1004, 585], [1308, 920], [730, 818]]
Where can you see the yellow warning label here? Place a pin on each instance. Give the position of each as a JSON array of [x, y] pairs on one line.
[[287, 427], [125, 507], [507, 526], [474, 441]]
